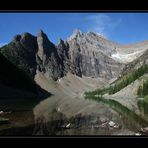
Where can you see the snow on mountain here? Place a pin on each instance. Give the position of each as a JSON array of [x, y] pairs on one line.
[[95, 42], [123, 58]]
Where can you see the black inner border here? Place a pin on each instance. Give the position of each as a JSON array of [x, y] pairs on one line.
[[62, 6]]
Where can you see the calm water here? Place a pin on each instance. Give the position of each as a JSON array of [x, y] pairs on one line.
[[22, 118], [130, 118]]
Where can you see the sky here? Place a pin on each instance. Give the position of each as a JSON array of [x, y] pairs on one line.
[[123, 28]]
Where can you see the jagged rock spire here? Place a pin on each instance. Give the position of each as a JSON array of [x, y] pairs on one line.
[[40, 31], [76, 33]]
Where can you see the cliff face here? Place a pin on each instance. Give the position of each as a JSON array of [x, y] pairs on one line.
[[91, 55], [47, 57], [82, 54], [21, 51], [135, 64]]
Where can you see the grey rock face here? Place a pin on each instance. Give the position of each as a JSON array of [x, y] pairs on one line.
[[137, 63], [47, 56], [90, 54], [63, 52], [85, 54], [21, 51]]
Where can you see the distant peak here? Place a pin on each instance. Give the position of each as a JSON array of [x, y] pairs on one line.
[[23, 36], [95, 34], [41, 34], [26, 34], [76, 33], [41, 31], [60, 41], [17, 37]]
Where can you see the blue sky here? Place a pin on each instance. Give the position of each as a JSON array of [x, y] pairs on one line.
[[119, 27]]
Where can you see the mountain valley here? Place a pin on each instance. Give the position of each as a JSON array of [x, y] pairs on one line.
[[85, 85]]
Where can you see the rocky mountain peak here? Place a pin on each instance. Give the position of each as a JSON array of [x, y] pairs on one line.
[[45, 47], [17, 38], [27, 38], [42, 36], [60, 41], [95, 34], [76, 33], [26, 34], [62, 49], [47, 57], [83, 54], [40, 31], [91, 54], [23, 37]]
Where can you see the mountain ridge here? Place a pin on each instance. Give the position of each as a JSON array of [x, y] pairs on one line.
[[57, 60], [71, 68], [88, 54]]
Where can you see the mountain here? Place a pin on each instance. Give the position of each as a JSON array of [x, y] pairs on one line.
[[135, 64], [21, 51], [85, 54], [128, 53], [91, 54], [15, 83], [47, 58], [72, 69]]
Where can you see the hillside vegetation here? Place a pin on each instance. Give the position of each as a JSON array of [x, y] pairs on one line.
[[124, 81], [143, 89], [128, 79]]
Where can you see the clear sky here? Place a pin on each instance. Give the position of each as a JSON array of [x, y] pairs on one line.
[[118, 27]]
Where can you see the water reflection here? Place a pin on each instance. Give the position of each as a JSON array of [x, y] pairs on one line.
[[20, 114], [49, 121], [143, 107]]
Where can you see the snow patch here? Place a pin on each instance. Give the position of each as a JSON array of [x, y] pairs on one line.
[[125, 58]]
